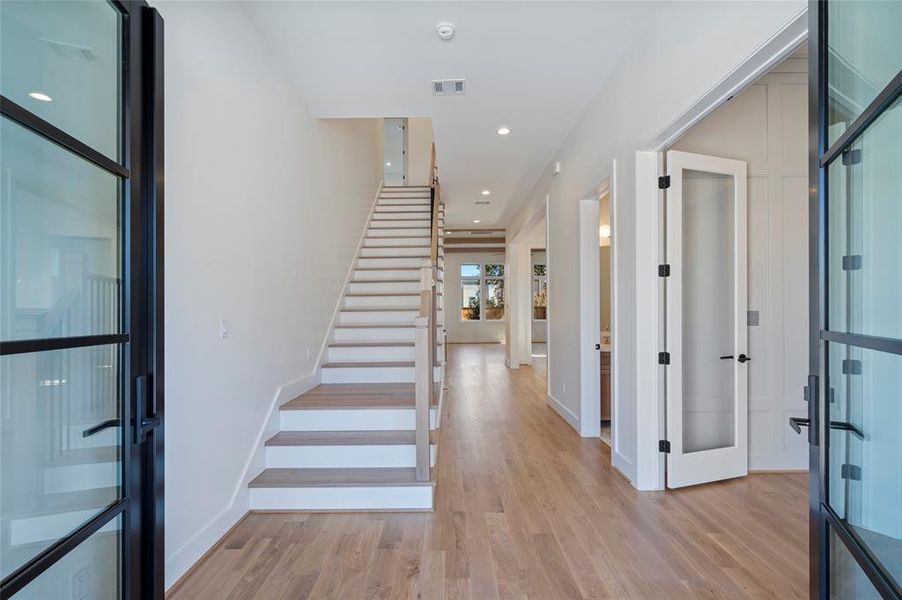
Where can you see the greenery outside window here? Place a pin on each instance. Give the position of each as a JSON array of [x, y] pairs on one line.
[[481, 292], [470, 284], [539, 292]]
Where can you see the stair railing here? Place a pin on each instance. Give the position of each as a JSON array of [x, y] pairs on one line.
[[426, 338]]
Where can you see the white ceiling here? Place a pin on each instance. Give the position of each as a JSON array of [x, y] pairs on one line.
[[532, 66]]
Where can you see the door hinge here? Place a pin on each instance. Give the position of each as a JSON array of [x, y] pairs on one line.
[[850, 366], [664, 446], [663, 182], [851, 262], [852, 472], [851, 157], [663, 358], [664, 270]]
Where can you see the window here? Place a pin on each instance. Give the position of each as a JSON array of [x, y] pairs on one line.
[[482, 292], [539, 292], [494, 292], [469, 285]]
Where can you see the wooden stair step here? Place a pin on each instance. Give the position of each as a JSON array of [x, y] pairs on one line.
[[288, 478], [346, 438]]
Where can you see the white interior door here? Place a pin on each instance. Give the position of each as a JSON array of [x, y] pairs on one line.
[[707, 380]]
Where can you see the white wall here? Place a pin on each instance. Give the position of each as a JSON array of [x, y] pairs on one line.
[[264, 209], [465, 332], [685, 50], [419, 150], [767, 126]]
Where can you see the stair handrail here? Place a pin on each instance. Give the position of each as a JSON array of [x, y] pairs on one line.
[[425, 339]]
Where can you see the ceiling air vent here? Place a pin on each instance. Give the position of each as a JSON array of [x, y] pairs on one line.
[[448, 87], [74, 52]]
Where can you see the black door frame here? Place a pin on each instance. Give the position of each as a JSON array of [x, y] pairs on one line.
[[822, 519], [141, 333]]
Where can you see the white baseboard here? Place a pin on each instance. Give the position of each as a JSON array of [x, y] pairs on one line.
[[182, 559], [568, 415]]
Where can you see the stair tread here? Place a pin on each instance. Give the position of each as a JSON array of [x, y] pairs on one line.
[[350, 396], [345, 438], [412, 280], [381, 477]]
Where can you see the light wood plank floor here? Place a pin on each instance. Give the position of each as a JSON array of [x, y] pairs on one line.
[[525, 509]]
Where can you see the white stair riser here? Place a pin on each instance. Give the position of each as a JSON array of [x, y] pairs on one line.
[[422, 215], [380, 316], [389, 263], [353, 419], [383, 274], [357, 374], [341, 457], [343, 498], [371, 301], [389, 208], [84, 476], [419, 200], [385, 286], [371, 353], [409, 251], [404, 241], [379, 224], [377, 316], [398, 232], [374, 334]]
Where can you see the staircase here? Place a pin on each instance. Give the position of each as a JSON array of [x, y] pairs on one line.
[[351, 443]]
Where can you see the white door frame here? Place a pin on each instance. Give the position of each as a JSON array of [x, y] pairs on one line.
[[589, 312]]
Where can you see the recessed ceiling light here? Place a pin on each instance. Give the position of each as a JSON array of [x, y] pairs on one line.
[[503, 131], [486, 192], [40, 96], [476, 220], [388, 164]]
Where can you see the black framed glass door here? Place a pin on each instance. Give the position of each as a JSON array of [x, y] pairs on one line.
[[855, 387], [81, 402]]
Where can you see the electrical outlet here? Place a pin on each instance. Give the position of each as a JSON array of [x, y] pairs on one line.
[[223, 328], [80, 588]]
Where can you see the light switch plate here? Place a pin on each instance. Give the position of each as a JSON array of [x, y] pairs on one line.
[[753, 318]]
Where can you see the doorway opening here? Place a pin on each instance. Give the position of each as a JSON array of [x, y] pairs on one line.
[[538, 316], [395, 151]]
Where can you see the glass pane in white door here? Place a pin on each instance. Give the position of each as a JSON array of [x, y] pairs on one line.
[[708, 311]]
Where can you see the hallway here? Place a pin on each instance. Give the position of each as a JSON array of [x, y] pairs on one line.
[[525, 509]]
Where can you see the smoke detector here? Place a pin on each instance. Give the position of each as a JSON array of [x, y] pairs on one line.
[[445, 31]]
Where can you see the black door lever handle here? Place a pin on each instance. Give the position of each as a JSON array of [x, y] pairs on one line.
[[727, 357], [798, 422], [743, 358]]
